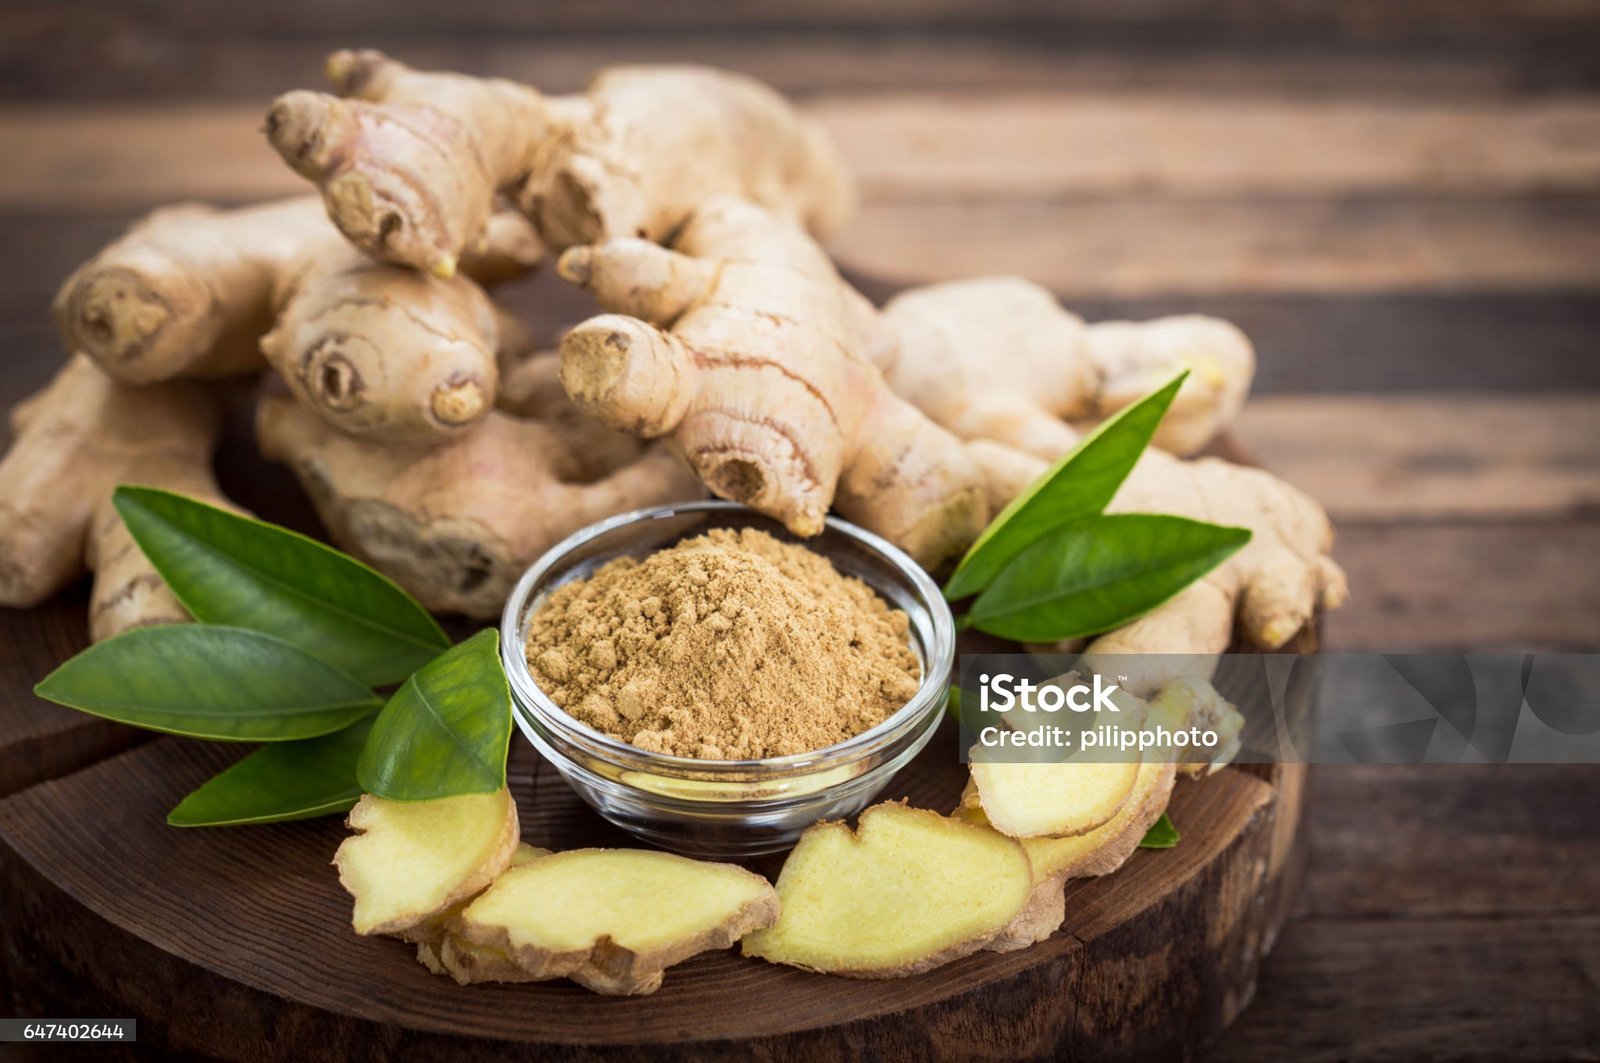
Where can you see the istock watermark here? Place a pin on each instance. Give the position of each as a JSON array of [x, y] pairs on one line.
[[1004, 692], [1282, 708]]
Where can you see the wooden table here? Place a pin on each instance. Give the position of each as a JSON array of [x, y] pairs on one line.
[[1397, 201]]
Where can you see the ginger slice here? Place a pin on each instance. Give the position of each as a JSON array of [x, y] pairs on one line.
[[612, 920], [1096, 852], [1194, 702], [1027, 800], [412, 862], [1057, 799], [905, 892], [1185, 703], [431, 950]]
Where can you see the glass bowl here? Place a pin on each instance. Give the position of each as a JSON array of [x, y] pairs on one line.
[[728, 808]]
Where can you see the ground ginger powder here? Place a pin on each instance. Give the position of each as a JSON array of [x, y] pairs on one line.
[[728, 646]]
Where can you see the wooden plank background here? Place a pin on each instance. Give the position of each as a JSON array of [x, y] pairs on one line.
[[1397, 199]]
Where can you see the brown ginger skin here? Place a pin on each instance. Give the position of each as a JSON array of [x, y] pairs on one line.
[[1270, 588], [194, 291], [530, 387], [1267, 591], [381, 352], [457, 523], [742, 345], [1044, 367], [409, 162], [73, 443], [186, 291]]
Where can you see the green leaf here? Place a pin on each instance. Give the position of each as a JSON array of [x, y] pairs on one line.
[[284, 781], [229, 569], [1081, 484], [1161, 835], [1099, 574], [952, 704], [207, 681], [446, 730]]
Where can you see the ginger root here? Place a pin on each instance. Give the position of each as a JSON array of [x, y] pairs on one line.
[[961, 333], [409, 162], [1266, 592], [186, 291], [457, 523], [383, 353], [73, 443], [905, 892], [612, 920], [193, 291], [749, 352], [412, 863], [1036, 366]]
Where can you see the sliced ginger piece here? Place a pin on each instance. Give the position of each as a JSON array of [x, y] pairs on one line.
[[1096, 852], [612, 920], [905, 892], [1185, 703], [431, 951], [411, 862], [1104, 849], [1194, 702], [1028, 799]]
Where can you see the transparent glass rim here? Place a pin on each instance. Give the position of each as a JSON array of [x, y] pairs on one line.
[[940, 654]]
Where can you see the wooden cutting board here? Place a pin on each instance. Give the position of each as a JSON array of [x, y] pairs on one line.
[[235, 943]]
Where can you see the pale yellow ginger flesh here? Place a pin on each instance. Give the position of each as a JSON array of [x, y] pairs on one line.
[[1072, 795], [430, 947], [1051, 800], [378, 351], [997, 358], [742, 346], [1194, 702], [1096, 852], [73, 443], [1104, 849], [612, 920], [410, 862], [905, 892], [1183, 704], [409, 162], [457, 523]]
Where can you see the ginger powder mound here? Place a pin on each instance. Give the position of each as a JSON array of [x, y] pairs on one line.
[[732, 645]]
